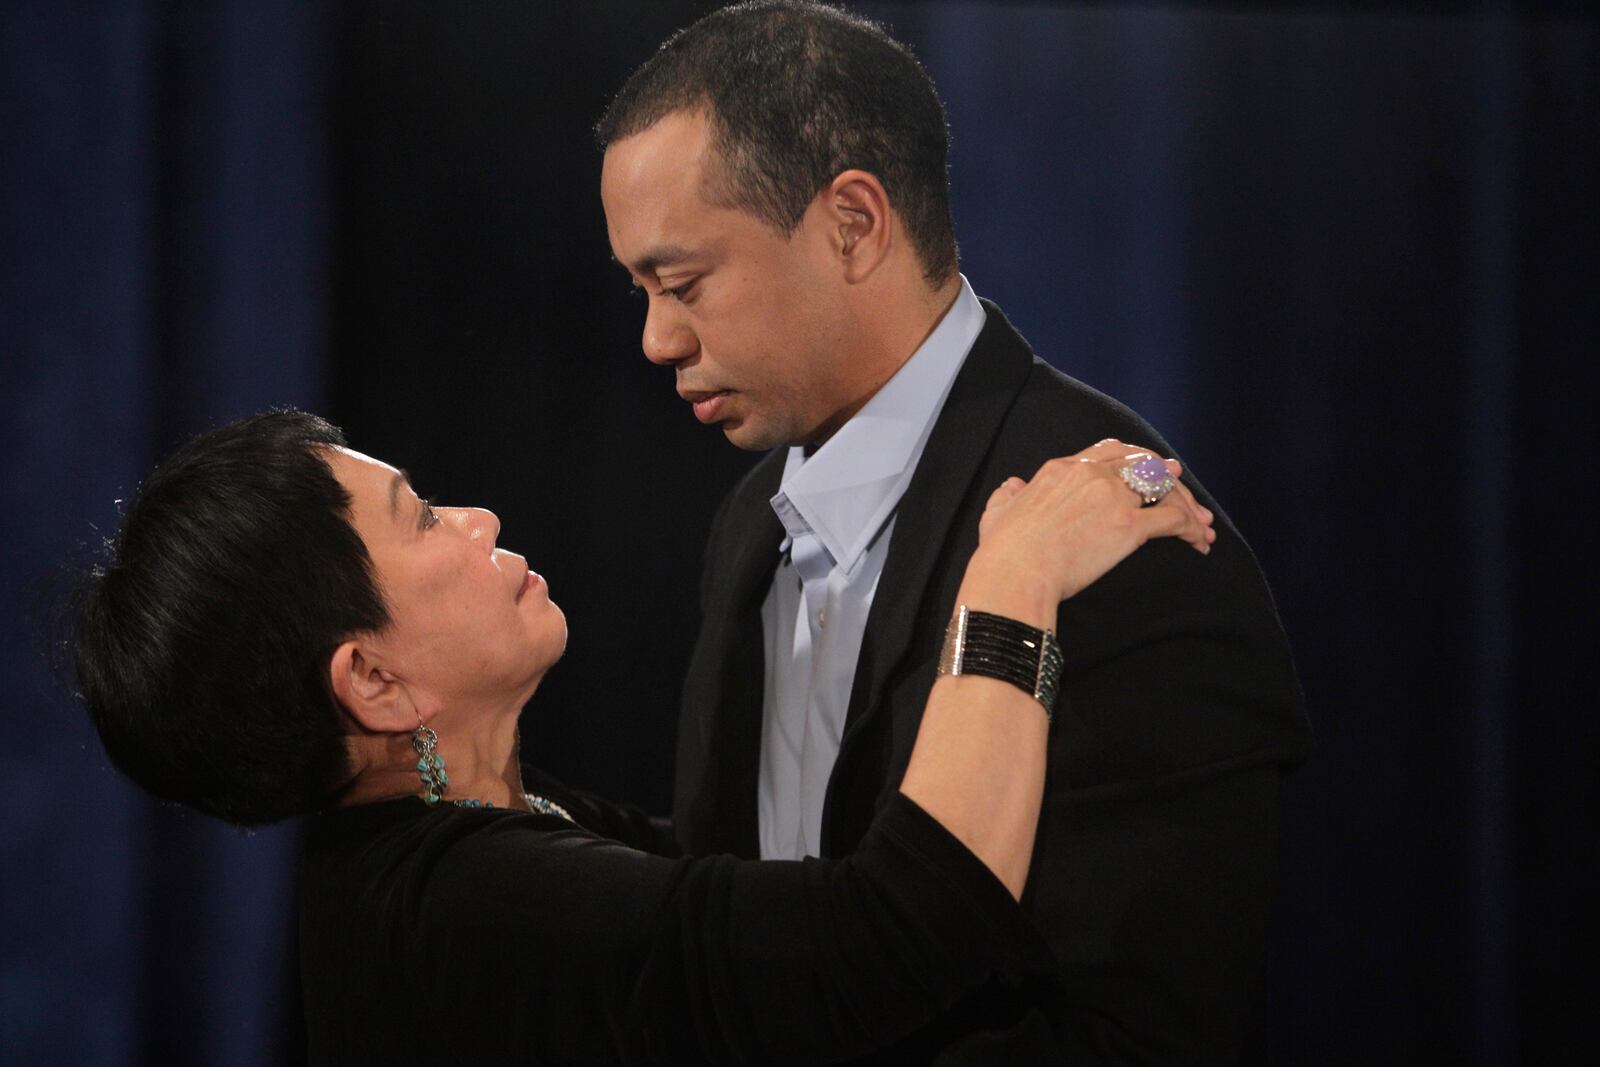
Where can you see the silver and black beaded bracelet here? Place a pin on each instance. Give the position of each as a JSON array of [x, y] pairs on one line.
[[994, 646]]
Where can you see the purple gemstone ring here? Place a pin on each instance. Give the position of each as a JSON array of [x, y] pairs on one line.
[[1149, 478]]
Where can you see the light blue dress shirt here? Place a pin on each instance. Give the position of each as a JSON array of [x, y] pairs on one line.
[[838, 507]]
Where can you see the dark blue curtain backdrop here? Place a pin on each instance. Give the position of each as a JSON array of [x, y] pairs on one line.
[[164, 267], [1344, 255]]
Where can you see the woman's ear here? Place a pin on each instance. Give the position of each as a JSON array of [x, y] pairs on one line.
[[378, 701]]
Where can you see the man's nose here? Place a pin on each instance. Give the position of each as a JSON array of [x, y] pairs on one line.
[[667, 338]]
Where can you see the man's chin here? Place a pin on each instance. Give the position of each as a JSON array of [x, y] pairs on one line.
[[750, 436]]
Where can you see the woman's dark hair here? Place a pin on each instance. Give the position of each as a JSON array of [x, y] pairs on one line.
[[201, 643], [798, 92]]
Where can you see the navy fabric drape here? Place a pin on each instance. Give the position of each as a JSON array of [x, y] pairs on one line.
[[1345, 256], [164, 269], [1348, 261]]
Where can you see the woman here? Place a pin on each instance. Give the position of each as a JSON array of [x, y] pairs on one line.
[[284, 627]]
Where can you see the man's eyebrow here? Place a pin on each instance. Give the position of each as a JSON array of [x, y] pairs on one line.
[[652, 261]]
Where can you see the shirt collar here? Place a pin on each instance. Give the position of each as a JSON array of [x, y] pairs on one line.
[[848, 488]]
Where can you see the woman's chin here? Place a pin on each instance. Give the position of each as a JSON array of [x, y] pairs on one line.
[[553, 641], [545, 650]]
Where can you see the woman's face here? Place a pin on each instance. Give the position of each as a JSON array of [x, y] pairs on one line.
[[471, 624]]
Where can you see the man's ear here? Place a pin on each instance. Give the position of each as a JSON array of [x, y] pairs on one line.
[[377, 700], [861, 223]]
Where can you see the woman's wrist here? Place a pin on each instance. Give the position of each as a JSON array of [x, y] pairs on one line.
[[1002, 587]]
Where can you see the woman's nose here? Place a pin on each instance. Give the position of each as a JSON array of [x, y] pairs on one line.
[[480, 524]]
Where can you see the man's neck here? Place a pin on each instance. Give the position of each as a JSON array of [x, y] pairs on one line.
[[890, 339]]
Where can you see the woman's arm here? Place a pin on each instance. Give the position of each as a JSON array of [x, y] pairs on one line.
[[978, 764], [528, 934]]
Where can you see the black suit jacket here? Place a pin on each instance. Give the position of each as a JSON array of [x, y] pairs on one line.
[[1179, 712]]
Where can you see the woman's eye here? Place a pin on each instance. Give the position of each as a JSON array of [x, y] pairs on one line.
[[430, 518]]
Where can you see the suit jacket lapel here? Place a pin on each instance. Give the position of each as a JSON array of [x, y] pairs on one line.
[[716, 806], [962, 436], [749, 570]]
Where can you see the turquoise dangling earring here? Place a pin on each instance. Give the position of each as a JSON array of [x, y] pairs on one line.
[[430, 765]]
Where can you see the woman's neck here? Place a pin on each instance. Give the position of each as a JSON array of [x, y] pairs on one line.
[[480, 753]]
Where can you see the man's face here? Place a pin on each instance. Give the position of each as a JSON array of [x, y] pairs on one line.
[[751, 321]]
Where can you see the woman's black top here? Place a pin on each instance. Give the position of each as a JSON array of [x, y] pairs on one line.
[[454, 935]]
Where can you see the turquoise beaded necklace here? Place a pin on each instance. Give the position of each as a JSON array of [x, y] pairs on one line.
[[543, 805]]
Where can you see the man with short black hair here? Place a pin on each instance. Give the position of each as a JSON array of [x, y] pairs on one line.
[[775, 180]]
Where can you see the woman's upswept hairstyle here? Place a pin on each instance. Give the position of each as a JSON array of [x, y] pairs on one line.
[[201, 643]]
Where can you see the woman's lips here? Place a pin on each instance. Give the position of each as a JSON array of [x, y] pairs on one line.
[[529, 580]]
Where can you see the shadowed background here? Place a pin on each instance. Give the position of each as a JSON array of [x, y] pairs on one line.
[[1343, 255]]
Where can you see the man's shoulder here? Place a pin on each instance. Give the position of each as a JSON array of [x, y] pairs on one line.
[[1052, 413], [1057, 405]]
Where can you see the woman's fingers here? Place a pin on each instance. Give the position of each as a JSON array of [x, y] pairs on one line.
[[1002, 496], [1118, 454], [1200, 533], [1112, 449], [1078, 517], [1180, 518], [1179, 522], [1007, 489]]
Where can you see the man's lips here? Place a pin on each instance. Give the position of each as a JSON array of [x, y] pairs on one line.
[[707, 403]]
